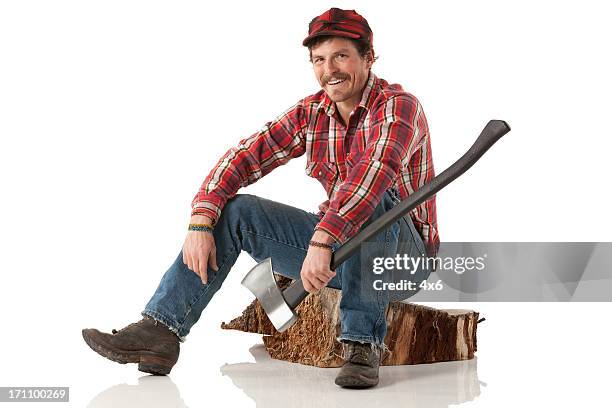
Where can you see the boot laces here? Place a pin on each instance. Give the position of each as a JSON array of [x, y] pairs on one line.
[[126, 327], [357, 351]]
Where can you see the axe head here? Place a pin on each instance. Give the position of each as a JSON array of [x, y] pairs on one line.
[[261, 282]]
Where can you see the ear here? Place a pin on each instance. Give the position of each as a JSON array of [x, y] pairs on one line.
[[370, 58]]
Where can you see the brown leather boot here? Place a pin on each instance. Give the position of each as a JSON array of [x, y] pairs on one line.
[[360, 368], [147, 342]]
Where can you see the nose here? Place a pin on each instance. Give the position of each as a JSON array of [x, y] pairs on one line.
[[330, 66]]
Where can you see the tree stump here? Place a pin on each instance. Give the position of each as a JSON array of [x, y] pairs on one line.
[[415, 334]]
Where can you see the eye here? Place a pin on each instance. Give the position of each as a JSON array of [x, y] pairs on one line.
[[317, 60], [342, 55]]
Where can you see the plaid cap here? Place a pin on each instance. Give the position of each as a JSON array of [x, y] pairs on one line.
[[338, 22]]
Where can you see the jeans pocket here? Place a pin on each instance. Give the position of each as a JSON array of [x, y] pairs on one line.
[[414, 268], [410, 232], [395, 195]]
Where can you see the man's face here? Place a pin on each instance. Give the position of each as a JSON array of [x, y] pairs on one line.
[[341, 71]]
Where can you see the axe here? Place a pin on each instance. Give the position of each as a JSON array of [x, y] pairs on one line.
[[280, 305]]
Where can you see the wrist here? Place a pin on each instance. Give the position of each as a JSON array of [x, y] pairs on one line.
[[323, 237], [201, 219]]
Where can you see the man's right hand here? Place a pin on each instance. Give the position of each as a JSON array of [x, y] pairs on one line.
[[199, 249]]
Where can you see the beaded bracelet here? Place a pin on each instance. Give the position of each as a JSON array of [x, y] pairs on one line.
[[321, 245], [200, 227]]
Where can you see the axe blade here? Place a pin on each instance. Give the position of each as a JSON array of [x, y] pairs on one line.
[[261, 282]]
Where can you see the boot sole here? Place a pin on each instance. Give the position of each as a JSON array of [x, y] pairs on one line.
[[355, 383], [148, 362]]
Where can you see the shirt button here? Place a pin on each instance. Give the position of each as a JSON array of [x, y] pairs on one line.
[[318, 173]]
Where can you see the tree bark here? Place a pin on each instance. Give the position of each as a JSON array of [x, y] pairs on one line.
[[415, 334]]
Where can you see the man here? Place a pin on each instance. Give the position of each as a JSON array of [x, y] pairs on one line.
[[367, 142]]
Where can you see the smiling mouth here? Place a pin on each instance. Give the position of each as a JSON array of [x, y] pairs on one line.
[[336, 82]]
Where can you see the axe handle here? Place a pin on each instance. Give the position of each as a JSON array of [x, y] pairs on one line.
[[493, 131]]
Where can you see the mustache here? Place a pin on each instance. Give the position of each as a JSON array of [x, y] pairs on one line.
[[328, 78]]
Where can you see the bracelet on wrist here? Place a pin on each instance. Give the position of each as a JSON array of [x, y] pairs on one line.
[[200, 227], [321, 245]]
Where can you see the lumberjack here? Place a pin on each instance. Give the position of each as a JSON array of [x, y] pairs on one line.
[[367, 142]]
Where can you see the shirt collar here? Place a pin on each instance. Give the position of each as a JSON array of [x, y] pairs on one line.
[[366, 97]]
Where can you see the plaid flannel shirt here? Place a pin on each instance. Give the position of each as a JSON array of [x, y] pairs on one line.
[[385, 145]]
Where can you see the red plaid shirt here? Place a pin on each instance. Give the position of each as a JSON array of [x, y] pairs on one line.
[[386, 144]]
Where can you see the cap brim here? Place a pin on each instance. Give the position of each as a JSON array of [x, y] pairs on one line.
[[336, 33]]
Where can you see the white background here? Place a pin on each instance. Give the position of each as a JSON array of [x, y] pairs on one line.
[[113, 112]]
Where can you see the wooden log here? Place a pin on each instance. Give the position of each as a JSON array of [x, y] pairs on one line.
[[415, 334]]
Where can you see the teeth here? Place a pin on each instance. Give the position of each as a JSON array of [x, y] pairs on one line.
[[334, 82]]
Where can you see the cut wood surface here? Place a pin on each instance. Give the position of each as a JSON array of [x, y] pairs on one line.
[[415, 334]]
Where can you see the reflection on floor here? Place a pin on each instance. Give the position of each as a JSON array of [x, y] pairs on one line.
[[273, 383], [151, 391]]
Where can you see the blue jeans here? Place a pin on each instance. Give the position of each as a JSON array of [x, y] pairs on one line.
[[265, 228]]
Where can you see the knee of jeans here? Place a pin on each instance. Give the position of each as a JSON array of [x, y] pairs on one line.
[[237, 206], [240, 201]]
